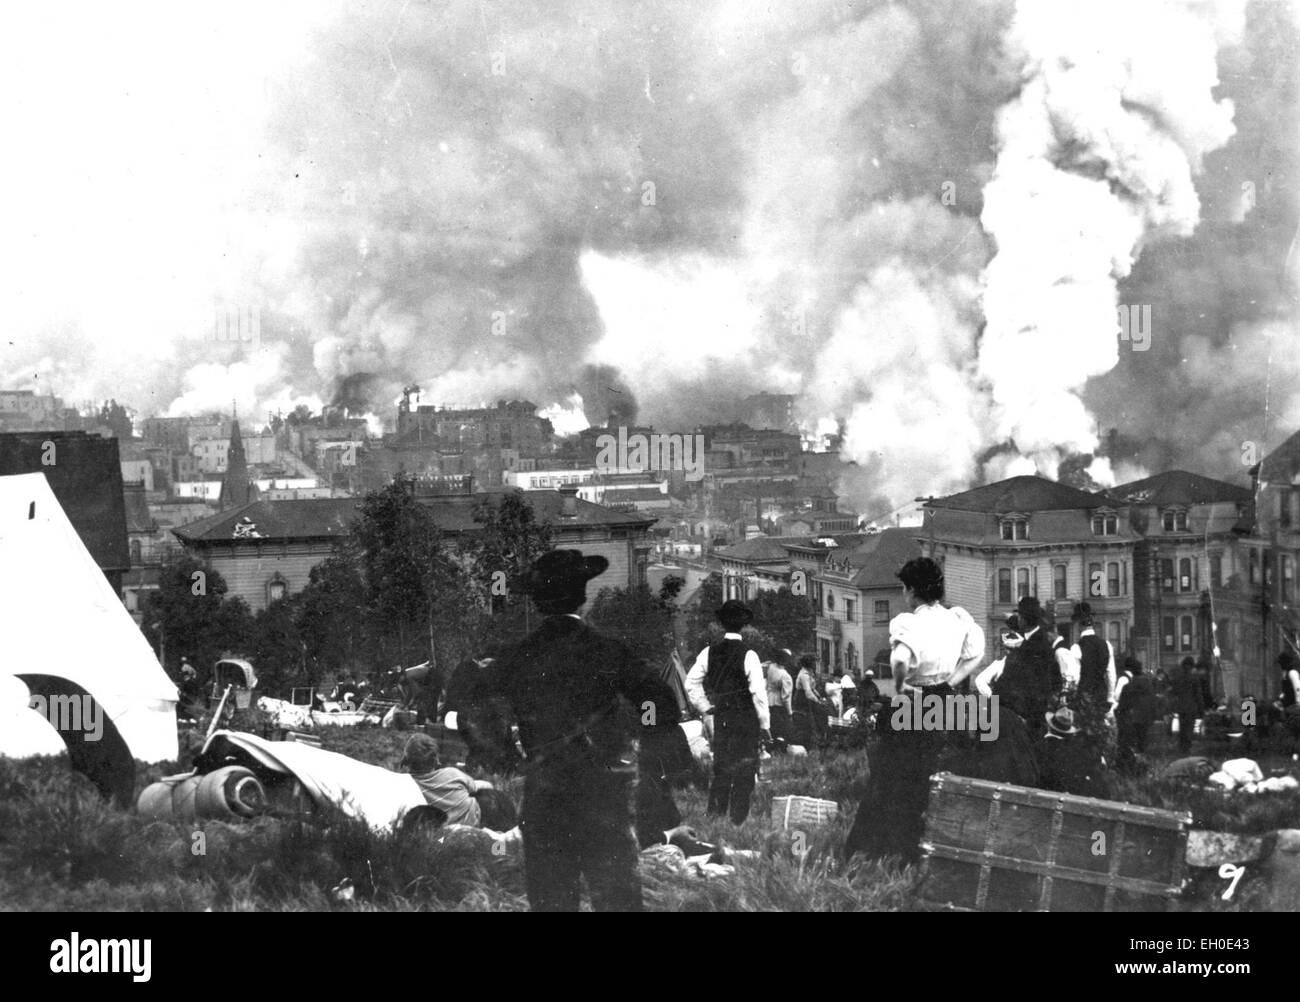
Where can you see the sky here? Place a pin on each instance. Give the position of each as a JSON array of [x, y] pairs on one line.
[[917, 217]]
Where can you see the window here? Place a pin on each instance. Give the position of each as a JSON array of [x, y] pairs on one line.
[[850, 657], [882, 612], [1058, 581], [1268, 568], [1112, 634], [1022, 582], [830, 601], [848, 610], [1004, 584], [1167, 575], [1015, 528], [1254, 567], [1112, 579], [136, 550], [1174, 520], [1105, 523], [1216, 571], [1185, 633], [1288, 578], [1185, 574], [276, 589], [826, 651], [1167, 633]]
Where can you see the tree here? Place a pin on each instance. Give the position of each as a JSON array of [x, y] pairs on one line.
[[510, 540], [420, 595], [638, 617], [190, 616], [786, 617], [332, 620], [277, 649], [707, 602]]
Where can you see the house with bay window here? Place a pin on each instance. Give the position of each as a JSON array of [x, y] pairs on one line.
[[1032, 536], [1191, 578]]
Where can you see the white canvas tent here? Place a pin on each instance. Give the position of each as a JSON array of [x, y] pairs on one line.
[[63, 629]]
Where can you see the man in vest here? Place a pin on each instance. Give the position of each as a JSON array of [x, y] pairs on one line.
[[1095, 693], [727, 682]]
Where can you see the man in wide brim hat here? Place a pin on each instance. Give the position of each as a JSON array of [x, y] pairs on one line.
[[558, 577], [565, 686], [734, 616], [1061, 721]]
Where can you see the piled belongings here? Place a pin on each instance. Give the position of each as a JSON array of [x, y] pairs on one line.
[[1244, 774], [238, 775], [1235, 775], [286, 716]]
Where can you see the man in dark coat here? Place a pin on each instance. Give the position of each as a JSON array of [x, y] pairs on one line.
[[1136, 713], [1189, 701], [567, 687], [727, 681], [1091, 700], [1031, 679]]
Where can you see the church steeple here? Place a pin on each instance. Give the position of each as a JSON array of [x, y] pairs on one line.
[[236, 488]]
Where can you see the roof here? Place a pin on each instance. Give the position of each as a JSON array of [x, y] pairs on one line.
[[636, 494], [1283, 463], [880, 556], [85, 473], [1022, 494], [325, 518], [760, 549], [1179, 487]]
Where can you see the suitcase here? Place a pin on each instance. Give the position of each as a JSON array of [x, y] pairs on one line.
[[997, 847]]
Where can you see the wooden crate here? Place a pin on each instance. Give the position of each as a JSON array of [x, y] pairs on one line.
[[791, 812], [997, 847]]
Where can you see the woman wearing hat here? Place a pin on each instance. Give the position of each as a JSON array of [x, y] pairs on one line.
[[931, 645]]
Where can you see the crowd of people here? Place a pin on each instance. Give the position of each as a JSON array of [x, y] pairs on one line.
[[565, 706]]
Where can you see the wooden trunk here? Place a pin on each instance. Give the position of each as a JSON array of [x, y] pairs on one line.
[[997, 847]]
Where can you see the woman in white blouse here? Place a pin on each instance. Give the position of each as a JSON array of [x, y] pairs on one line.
[[930, 645]]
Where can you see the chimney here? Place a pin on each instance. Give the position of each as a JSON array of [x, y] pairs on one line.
[[569, 501]]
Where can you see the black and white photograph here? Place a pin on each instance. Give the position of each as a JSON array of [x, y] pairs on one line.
[[710, 456]]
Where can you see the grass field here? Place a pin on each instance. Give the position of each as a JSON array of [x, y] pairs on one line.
[[62, 848]]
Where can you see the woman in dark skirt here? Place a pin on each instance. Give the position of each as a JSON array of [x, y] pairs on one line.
[[928, 646]]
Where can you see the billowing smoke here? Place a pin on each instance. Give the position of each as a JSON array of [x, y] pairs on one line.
[[1098, 154], [918, 217]]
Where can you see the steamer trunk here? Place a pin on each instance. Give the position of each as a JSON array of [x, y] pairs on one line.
[[997, 847]]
